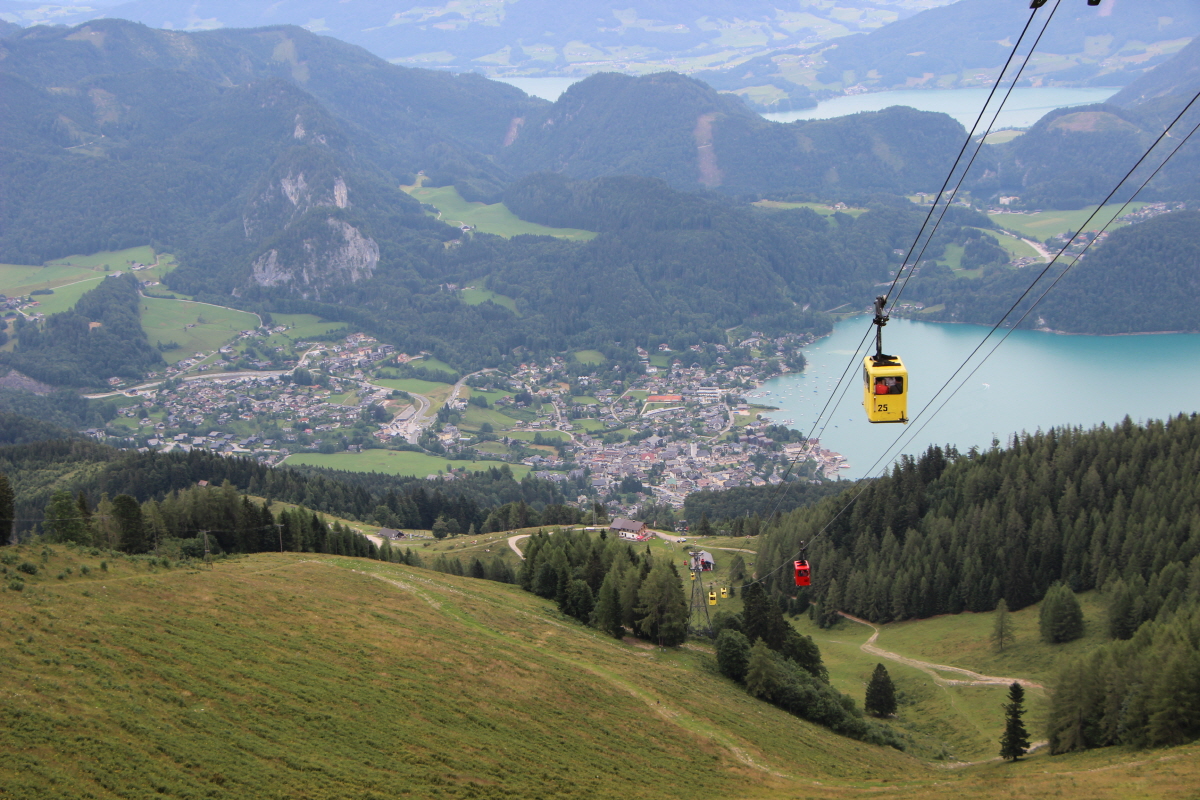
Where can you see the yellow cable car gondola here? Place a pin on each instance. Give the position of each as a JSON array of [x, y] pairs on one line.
[[885, 380], [724, 592], [712, 598]]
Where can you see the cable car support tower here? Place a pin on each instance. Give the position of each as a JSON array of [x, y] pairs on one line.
[[699, 623]]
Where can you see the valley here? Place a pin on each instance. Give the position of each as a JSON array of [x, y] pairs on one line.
[[372, 428]]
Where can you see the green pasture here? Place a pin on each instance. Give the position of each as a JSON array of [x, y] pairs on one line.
[[588, 425], [963, 641], [589, 356], [18, 279], [1016, 247], [429, 362], [585, 399], [954, 722], [495, 218], [548, 435], [491, 397], [65, 296], [273, 676], [116, 260], [1045, 224], [820, 208], [212, 326], [303, 326], [392, 462], [475, 297], [474, 417], [660, 360], [436, 392], [495, 448]]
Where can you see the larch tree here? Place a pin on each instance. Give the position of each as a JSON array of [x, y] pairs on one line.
[[1002, 632]]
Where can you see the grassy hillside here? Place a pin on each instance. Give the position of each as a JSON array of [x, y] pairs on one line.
[[312, 676]]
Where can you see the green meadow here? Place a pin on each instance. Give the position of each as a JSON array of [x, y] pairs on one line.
[[1045, 224], [820, 208], [211, 326], [475, 297], [394, 462], [495, 218], [114, 259], [589, 356], [314, 676], [303, 326]]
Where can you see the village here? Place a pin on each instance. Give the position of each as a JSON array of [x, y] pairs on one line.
[[665, 429]]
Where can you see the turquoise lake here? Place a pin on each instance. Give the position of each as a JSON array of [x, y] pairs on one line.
[[1025, 107], [1033, 380]]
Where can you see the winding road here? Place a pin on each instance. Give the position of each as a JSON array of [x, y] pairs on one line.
[[932, 670]]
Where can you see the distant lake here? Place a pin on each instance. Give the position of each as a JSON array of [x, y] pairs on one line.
[[1025, 107], [1035, 380], [545, 88]]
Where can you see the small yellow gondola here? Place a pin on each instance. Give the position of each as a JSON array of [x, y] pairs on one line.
[[885, 380], [712, 598]]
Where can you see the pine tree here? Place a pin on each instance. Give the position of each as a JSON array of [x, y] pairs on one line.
[[881, 693], [1015, 741], [1002, 633]]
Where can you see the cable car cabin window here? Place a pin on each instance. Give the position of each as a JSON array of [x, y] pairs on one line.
[[889, 385]]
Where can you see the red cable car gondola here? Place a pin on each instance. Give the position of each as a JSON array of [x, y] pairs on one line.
[[802, 573]]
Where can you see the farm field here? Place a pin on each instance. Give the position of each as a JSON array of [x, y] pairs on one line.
[[19, 279], [1044, 224], [548, 435], [475, 297], [212, 326], [522, 700], [1016, 247], [302, 326], [115, 260], [495, 218], [393, 462], [436, 392], [820, 208], [589, 356], [474, 416]]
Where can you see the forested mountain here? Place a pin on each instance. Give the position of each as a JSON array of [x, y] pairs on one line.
[[1074, 157], [1115, 509], [676, 128], [690, 268], [1179, 76], [1141, 278]]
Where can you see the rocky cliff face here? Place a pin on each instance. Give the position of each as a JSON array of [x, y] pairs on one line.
[[329, 252], [298, 183]]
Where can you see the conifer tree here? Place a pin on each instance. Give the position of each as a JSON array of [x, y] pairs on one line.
[[1060, 619], [1002, 633], [881, 693], [607, 615], [1015, 741], [8, 529]]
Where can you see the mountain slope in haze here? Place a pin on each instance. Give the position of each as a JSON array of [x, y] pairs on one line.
[[404, 119], [964, 44], [529, 37], [680, 130]]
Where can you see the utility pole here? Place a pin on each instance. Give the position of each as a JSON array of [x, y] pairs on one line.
[[279, 527], [207, 552]]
